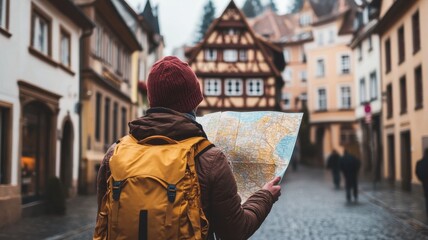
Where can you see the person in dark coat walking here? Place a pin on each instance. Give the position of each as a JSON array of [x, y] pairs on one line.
[[350, 166], [333, 163], [422, 173]]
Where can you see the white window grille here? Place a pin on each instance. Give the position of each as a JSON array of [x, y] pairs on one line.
[[230, 55], [212, 87], [320, 68], [255, 87], [345, 64], [363, 95], [345, 97], [303, 76], [40, 34], [322, 99], [373, 86], [65, 49], [233, 87], [243, 55], [210, 54]]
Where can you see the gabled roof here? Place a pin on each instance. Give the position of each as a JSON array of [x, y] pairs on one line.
[[270, 25], [192, 53], [115, 21], [394, 13], [150, 18], [74, 13]]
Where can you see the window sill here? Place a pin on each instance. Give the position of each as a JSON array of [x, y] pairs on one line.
[[416, 51], [320, 110], [42, 56], [403, 112], [67, 69], [5, 32], [401, 61], [419, 107]]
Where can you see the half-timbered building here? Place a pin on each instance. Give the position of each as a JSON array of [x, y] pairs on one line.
[[237, 70]]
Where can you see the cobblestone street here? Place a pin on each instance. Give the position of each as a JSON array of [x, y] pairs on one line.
[[309, 209]]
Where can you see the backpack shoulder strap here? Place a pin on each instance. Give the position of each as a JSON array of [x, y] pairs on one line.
[[203, 146]]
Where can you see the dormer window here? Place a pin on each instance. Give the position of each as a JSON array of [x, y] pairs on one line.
[[305, 19], [232, 31], [230, 55], [210, 54]]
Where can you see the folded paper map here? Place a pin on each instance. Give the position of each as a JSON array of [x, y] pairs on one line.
[[259, 145]]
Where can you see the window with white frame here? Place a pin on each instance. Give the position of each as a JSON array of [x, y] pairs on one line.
[[305, 19], [212, 87], [345, 64], [287, 56], [303, 76], [345, 97], [210, 54], [255, 87], [233, 87], [287, 75], [3, 13], [363, 95], [320, 38], [331, 36], [320, 68], [65, 48], [40, 33], [230, 55], [243, 55], [286, 99], [373, 86], [232, 31], [322, 99]]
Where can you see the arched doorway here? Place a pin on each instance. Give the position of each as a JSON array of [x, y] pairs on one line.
[[66, 167], [35, 151]]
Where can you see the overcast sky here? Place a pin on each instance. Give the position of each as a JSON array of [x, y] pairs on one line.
[[179, 18]]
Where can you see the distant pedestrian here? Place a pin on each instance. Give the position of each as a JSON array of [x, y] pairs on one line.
[[333, 163], [422, 173], [350, 166]]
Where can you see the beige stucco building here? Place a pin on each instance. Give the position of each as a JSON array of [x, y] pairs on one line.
[[405, 115], [331, 92]]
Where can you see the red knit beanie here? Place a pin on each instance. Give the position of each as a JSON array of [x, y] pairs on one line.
[[173, 84]]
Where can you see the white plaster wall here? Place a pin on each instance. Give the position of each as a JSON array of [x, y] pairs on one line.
[[370, 62], [17, 63]]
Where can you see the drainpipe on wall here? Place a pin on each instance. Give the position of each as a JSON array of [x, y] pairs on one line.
[[82, 62]]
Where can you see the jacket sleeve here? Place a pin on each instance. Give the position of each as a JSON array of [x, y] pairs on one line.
[[230, 219]]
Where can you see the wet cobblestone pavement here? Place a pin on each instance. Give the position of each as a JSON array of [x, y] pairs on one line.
[[309, 208]]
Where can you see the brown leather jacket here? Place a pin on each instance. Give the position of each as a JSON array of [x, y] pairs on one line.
[[221, 203]]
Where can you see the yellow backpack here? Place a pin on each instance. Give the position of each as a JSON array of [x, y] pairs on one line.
[[153, 191]]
